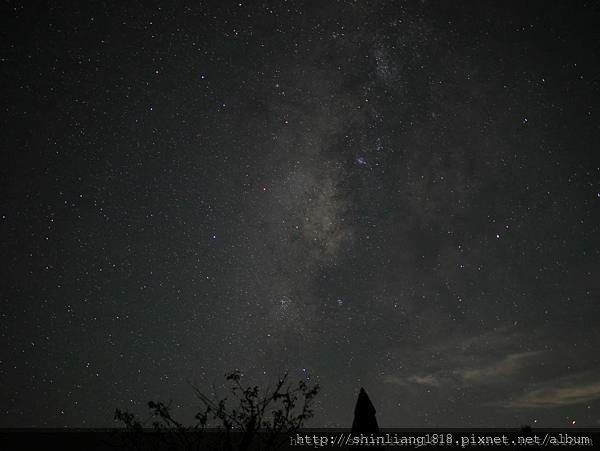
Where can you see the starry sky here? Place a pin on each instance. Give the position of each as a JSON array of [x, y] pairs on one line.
[[400, 195]]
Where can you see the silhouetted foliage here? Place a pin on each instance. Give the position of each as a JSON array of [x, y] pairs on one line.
[[282, 409], [365, 421]]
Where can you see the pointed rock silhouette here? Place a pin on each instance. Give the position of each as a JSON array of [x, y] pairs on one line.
[[365, 422]]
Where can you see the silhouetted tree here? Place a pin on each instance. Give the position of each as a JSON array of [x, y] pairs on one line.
[[365, 421], [282, 409]]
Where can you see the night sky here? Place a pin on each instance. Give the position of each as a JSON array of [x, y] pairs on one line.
[[403, 196]]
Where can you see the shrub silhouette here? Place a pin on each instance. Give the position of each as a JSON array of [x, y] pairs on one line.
[[281, 410]]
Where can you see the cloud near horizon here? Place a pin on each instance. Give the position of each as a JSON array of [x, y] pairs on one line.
[[558, 396], [429, 380], [504, 366], [510, 364]]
